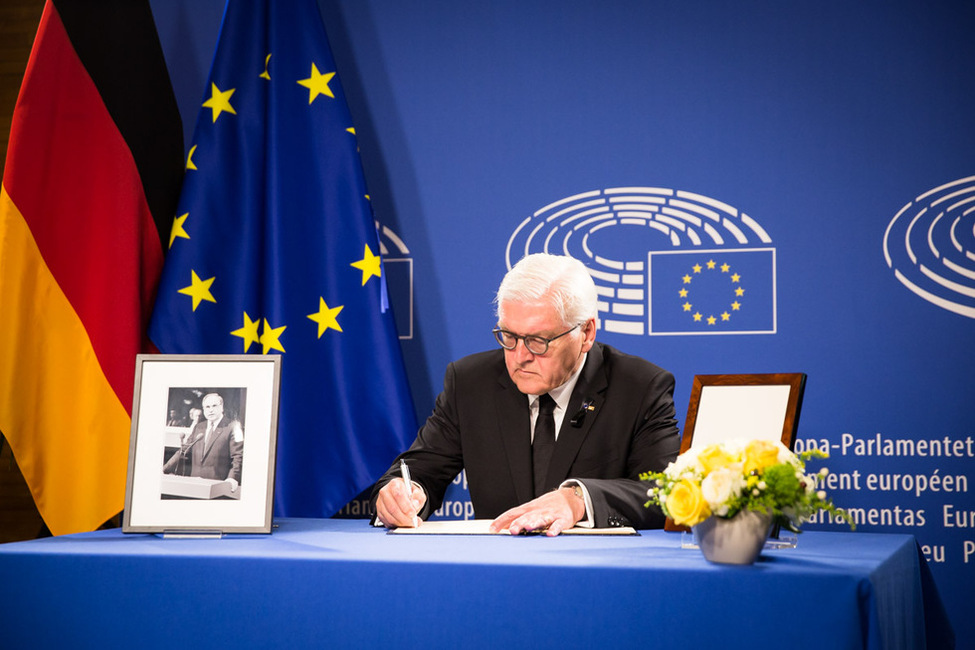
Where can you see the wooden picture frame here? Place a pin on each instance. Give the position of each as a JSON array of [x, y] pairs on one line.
[[752, 406], [202, 444]]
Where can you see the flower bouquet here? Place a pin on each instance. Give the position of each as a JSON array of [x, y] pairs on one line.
[[756, 480]]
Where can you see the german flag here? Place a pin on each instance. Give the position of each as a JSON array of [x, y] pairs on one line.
[[89, 192]]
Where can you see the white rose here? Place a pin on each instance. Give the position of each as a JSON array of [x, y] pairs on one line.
[[785, 456], [719, 487], [677, 468], [735, 446]]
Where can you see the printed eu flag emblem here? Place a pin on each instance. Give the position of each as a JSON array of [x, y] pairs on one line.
[[721, 291], [274, 250]]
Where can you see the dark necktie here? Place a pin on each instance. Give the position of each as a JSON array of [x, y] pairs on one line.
[[544, 442]]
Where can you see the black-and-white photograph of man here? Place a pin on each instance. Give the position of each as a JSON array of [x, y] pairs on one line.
[[211, 446]]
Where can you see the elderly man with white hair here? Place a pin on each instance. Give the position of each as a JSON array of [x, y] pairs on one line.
[[553, 429]]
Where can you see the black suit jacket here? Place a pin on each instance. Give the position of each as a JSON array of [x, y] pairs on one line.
[[221, 458], [481, 422]]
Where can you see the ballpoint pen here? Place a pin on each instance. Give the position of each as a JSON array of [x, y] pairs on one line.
[[405, 473]]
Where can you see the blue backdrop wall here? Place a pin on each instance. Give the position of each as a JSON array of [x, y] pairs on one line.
[[824, 152]]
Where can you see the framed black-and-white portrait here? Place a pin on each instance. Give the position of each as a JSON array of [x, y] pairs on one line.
[[201, 451]]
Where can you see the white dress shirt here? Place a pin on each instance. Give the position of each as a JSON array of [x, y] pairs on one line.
[[562, 395]]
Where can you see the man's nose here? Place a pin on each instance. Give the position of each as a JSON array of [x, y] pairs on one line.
[[521, 352]]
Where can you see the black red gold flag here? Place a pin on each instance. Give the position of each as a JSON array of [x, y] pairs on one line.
[[89, 192]]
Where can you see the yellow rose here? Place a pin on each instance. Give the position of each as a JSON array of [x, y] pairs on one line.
[[714, 457], [760, 454], [686, 504]]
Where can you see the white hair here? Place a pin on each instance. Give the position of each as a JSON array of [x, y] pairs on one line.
[[561, 281]]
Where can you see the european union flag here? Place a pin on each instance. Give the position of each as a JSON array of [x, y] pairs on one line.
[[722, 291], [274, 249]]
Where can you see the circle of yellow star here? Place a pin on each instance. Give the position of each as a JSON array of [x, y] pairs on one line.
[[219, 101], [199, 289], [704, 268], [326, 317], [189, 158], [369, 265], [317, 84], [248, 332]]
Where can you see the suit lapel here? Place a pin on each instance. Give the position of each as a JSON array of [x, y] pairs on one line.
[[515, 432], [589, 391], [199, 436]]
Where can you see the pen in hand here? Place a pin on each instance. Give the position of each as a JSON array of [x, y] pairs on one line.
[[405, 473]]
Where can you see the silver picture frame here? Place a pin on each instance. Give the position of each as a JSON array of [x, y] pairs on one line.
[[202, 444]]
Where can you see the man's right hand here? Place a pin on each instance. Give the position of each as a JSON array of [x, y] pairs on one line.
[[398, 503]]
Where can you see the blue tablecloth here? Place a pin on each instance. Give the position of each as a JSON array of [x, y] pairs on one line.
[[340, 583]]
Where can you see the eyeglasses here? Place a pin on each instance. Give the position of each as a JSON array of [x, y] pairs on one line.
[[534, 344]]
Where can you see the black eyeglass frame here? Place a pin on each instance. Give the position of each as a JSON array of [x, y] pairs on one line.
[[499, 334]]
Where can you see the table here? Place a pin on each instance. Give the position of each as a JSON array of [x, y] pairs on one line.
[[341, 583]]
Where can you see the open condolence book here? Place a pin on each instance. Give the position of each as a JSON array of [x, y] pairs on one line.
[[480, 527]]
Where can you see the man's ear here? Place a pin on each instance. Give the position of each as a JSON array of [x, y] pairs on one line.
[[588, 334]]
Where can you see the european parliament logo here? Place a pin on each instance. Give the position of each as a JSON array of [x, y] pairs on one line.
[[665, 261], [930, 246], [398, 265]]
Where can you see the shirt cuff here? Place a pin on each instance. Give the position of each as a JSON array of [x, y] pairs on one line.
[[589, 520]]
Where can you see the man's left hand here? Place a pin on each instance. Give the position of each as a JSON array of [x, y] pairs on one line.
[[550, 513], [233, 483]]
